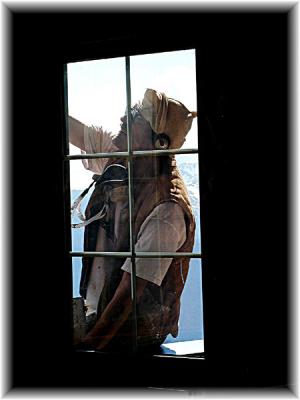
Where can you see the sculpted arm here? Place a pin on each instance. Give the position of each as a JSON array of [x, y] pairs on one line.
[[76, 133]]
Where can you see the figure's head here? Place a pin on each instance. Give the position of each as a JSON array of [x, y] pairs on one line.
[[167, 116], [159, 122], [141, 132]]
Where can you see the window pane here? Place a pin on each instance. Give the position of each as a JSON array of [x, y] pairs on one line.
[[96, 98], [188, 165], [102, 210], [80, 179], [173, 73], [191, 311], [90, 302]]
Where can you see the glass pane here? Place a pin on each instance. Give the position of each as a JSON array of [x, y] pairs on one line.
[[94, 287], [189, 170], [191, 311], [96, 102], [80, 179], [172, 73], [99, 206]]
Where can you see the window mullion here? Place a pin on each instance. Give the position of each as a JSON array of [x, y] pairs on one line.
[[131, 205], [138, 153], [66, 147], [142, 254]]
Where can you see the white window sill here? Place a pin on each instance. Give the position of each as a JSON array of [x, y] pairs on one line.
[[183, 348], [189, 349]]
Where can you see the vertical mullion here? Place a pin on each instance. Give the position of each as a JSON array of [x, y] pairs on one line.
[[66, 183], [66, 111], [131, 199]]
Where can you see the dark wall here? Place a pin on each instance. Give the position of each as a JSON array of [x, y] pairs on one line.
[[243, 136], [245, 101]]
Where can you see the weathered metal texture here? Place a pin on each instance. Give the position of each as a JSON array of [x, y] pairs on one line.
[[79, 321]]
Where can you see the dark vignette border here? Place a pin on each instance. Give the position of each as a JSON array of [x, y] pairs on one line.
[[29, 125]]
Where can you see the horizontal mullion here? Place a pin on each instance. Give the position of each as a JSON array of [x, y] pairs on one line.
[[120, 154], [149, 254], [142, 254], [139, 153], [100, 254]]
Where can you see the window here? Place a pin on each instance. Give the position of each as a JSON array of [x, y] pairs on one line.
[[99, 92]]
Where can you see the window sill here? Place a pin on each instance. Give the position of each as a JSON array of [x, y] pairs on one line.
[[188, 349]]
